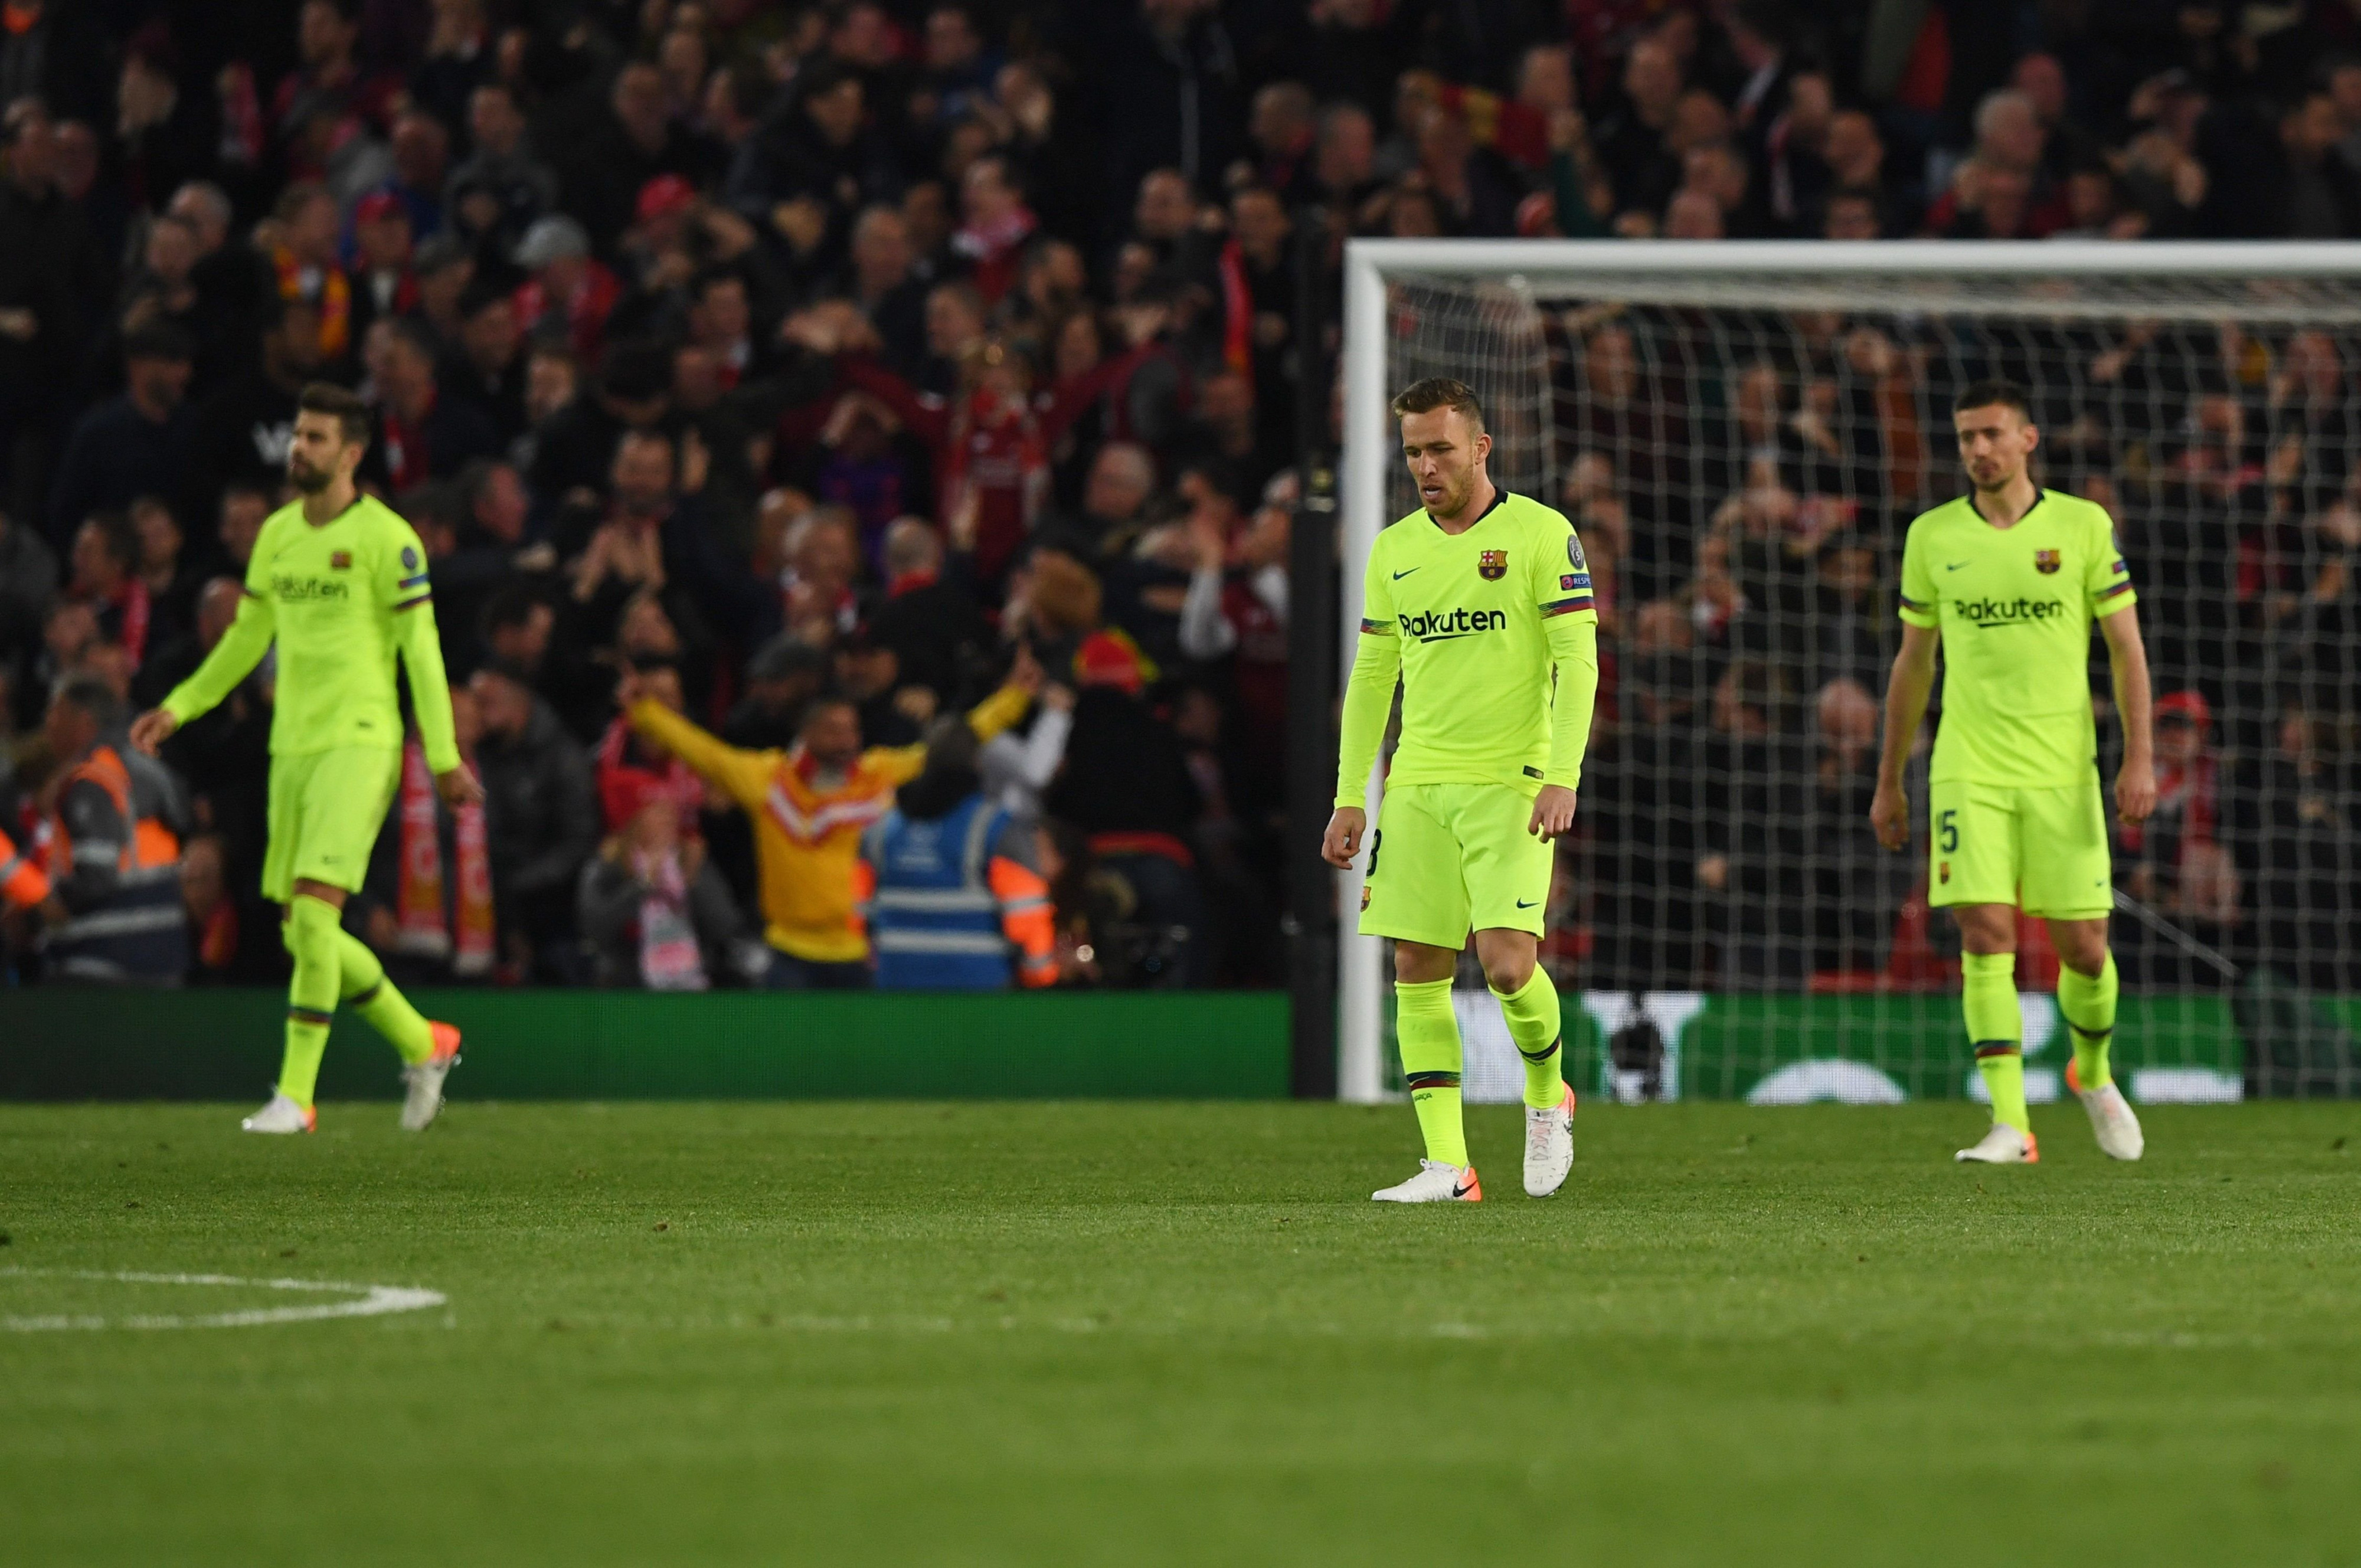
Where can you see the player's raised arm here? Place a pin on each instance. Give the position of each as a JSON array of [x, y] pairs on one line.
[[744, 776], [232, 660], [994, 716], [1369, 699]]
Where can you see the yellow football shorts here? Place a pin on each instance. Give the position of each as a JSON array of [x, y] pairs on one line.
[[1450, 858], [326, 810], [2044, 850]]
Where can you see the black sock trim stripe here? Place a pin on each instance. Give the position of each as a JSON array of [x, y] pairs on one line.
[[2089, 1034], [1539, 1057], [310, 1015], [1433, 1080], [363, 999], [1998, 1048]]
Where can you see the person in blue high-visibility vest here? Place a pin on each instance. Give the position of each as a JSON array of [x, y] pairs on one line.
[[948, 883]]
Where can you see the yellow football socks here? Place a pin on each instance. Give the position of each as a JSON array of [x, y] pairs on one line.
[[1531, 1011], [368, 993], [2087, 1003], [1996, 1030], [309, 932], [1428, 1033]]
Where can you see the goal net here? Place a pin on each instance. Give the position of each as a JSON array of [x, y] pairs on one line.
[[1741, 434]]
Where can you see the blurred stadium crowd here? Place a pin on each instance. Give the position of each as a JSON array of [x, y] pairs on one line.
[[825, 372]]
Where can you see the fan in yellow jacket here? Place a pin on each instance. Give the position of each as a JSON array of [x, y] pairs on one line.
[[809, 805]]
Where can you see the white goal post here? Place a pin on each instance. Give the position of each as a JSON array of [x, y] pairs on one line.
[[2277, 285]]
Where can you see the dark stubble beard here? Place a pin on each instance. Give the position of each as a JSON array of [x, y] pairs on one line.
[[311, 481], [1455, 496]]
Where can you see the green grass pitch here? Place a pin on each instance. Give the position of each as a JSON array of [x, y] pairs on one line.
[[1145, 1334]]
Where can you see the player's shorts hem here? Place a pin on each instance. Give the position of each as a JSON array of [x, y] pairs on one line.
[[2100, 914], [280, 894], [1398, 931]]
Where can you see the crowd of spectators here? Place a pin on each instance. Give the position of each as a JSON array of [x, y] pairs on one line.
[[819, 371]]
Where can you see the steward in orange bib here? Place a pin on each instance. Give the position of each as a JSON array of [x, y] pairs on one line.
[[809, 805], [948, 883], [113, 847]]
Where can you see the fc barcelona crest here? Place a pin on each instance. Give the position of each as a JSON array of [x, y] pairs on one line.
[[1492, 565], [1943, 871], [2045, 561], [340, 561]]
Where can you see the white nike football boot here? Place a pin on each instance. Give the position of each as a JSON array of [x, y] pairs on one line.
[[2003, 1146], [282, 1115], [1436, 1183], [2112, 1122], [424, 1102], [1549, 1146]]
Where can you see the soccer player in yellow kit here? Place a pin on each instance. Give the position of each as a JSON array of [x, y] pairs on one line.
[[339, 582], [1481, 604], [2006, 580]]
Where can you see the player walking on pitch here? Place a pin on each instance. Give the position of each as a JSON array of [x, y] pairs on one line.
[[339, 582], [2008, 580], [1481, 604]]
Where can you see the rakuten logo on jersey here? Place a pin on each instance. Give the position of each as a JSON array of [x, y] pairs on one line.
[[1435, 625], [308, 590], [2009, 612]]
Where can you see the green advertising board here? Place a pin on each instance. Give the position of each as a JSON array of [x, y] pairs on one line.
[[1873, 1048]]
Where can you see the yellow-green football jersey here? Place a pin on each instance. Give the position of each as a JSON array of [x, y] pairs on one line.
[[2014, 606], [1470, 610], [333, 592]]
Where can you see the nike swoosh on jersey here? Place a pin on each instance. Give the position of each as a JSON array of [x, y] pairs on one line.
[[1955, 565], [1522, 904], [1399, 575]]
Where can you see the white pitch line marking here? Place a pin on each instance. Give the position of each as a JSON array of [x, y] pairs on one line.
[[371, 1302]]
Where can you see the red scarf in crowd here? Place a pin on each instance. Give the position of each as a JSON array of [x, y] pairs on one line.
[[994, 247], [325, 286], [133, 604], [670, 959], [408, 464], [1238, 310], [426, 929]]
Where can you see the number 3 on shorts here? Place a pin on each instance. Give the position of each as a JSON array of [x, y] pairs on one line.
[[1947, 831], [1376, 838]]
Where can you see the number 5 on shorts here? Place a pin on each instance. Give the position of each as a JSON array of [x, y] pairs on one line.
[[1947, 831]]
